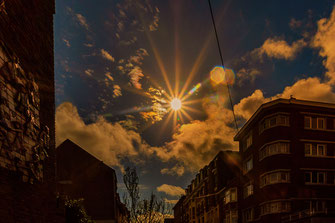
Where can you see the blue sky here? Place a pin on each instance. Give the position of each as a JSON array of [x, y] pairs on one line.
[[115, 60]]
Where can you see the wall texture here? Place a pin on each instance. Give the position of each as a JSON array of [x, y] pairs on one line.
[[27, 123]]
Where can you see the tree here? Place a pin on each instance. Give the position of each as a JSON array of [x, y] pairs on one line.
[[151, 210], [75, 212]]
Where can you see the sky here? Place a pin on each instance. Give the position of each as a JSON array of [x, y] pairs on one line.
[[119, 63]]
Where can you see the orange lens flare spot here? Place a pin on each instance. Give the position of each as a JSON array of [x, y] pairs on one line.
[[176, 104], [220, 75], [229, 77], [217, 75]]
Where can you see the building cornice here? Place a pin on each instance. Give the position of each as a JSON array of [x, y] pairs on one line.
[[280, 101]]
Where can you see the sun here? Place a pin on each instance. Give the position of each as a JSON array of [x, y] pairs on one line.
[[175, 104]]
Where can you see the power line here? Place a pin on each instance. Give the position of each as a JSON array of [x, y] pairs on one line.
[[218, 43]]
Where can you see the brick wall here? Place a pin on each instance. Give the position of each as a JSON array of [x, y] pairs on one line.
[[27, 132]]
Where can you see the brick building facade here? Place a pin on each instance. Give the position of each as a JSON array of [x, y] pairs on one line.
[[27, 110], [204, 199], [287, 149], [286, 169]]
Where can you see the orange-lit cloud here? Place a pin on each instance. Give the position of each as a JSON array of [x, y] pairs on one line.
[[305, 89], [106, 55], [279, 49], [109, 142], [171, 190], [116, 91], [325, 40], [195, 144], [136, 74], [176, 170]]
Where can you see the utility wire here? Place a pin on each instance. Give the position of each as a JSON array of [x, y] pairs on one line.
[[217, 41]]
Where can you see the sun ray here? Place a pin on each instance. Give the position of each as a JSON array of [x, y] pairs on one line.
[[192, 101], [174, 120], [166, 121], [180, 116], [177, 61], [187, 108], [187, 115], [157, 56], [196, 65]]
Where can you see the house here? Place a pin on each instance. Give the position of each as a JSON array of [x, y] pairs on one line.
[[81, 175]]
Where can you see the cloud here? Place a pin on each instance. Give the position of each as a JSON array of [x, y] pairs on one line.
[[67, 43], [279, 49], [305, 89], [106, 55], [195, 144], [89, 72], [117, 91], [109, 76], [82, 21], [136, 75], [249, 74], [294, 24], [171, 190], [176, 170], [324, 39], [248, 105], [158, 107], [109, 142], [154, 25], [171, 202]]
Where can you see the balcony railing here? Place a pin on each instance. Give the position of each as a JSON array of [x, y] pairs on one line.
[[306, 214]]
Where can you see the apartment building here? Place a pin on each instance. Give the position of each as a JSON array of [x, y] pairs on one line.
[[212, 194], [287, 151]]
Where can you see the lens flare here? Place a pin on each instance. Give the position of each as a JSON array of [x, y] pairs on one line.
[[217, 74], [194, 88], [221, 75], [176, 104]]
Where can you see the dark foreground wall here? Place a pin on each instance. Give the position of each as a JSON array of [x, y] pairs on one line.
[[27, 123]]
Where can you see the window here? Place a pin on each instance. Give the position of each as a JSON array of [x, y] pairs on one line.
[[248, 141], [273, 149], [273, 121], [231, 216], [231, 195], [308, 121], [315, 149], [248, 190], [275, 207], [321, 123], [317, 206], [315, 177], [280, 176], [314, 122], [248, 215], [248, 165]]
